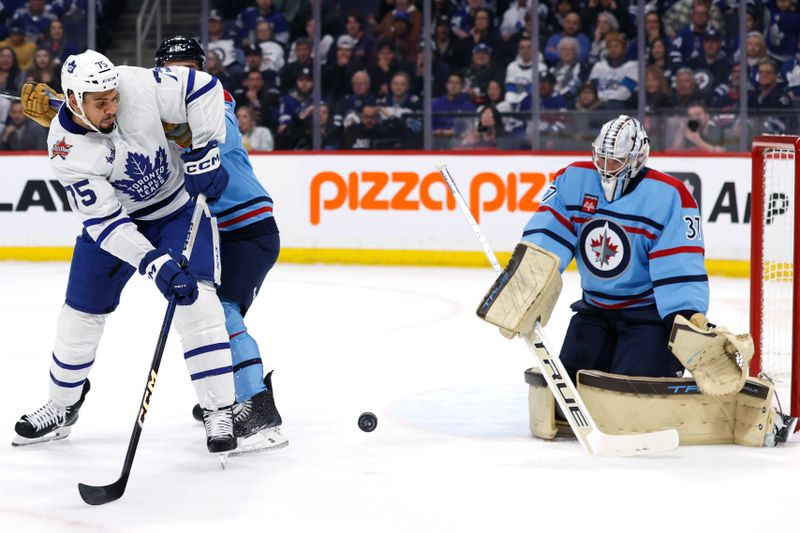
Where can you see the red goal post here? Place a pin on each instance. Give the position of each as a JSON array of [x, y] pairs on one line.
[[774, 293]]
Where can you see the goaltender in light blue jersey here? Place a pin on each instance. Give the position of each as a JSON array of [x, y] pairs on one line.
[[642, 249]]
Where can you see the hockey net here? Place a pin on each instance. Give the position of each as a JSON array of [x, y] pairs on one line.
[[774, 311]]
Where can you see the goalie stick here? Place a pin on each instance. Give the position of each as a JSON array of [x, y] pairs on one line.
[[99, 495], [559, 382]]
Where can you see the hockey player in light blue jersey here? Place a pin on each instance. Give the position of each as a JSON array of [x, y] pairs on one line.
[[250, 245], [636, 236]]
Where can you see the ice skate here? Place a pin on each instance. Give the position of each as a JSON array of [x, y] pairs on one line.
[[257, 413], [219, 432], [50, 422]]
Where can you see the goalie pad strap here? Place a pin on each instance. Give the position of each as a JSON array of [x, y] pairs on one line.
[[658, 386]]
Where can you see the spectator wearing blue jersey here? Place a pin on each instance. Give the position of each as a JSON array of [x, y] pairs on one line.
[[34, 18], [263, 10], [688, 43], [790, 75], [572, 28], [770, 93], [462, 22], [349, 108], [712, 66], [296, 101], [569, 73], [453, 101], [782, 29], [725, 97], [640, 261]]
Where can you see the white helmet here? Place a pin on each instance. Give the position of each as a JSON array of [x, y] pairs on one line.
[[89, 72], [619, 152]]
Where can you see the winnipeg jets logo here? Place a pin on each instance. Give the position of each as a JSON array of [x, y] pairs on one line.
[[60, 149], [146, 178], [605, 248], [71, 66]]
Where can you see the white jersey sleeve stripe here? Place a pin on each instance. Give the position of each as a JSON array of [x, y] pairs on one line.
[[111, 227], [99, 220], [203, 90]]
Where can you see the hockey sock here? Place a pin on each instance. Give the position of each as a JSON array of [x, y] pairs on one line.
[[77, 337], [248, 370]]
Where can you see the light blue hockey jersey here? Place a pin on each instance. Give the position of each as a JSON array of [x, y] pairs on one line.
[[245, 201], [645, 248]]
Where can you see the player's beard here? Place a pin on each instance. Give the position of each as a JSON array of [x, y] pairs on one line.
[[109, 128]]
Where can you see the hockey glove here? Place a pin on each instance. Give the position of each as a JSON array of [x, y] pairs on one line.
[[170, 278], [39, 102], [717, 359], [204, 172]]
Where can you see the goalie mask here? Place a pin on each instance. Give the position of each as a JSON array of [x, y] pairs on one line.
[[619, 152], [89, 72]]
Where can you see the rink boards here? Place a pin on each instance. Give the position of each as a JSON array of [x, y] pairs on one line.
[[393, 208]]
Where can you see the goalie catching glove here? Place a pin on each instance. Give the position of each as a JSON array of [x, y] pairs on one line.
[[717, 359], [526, 291]]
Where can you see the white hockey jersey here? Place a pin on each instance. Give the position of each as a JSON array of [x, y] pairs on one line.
[[615, 83], [131, 173]]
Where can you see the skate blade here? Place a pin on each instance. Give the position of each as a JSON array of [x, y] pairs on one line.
[[223, 459], [266, 440], [58, 434]]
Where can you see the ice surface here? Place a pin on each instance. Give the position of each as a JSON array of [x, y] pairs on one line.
[[451, 452]]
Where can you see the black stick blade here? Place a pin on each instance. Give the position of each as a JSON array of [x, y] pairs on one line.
[[101, 495]]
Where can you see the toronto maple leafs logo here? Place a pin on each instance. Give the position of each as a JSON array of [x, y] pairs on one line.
[[71, 66], [146, 178], [60, 149], [605, 248]]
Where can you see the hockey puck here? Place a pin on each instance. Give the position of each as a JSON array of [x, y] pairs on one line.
[[367, 422]]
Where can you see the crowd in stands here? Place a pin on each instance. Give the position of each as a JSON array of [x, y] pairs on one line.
[[372, 68], [372, 56]]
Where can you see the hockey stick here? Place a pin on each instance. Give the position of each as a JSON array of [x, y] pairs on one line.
[[98, 495], [559, 382], [55, 103]]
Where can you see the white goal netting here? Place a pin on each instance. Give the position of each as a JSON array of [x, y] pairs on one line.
[[777, 275]]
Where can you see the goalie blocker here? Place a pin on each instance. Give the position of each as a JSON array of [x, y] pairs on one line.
[[624, 404], [526, 291]]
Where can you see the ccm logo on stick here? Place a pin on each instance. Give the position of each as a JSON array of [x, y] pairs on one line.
[[406, 191]]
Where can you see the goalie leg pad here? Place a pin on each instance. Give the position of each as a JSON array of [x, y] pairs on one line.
[[625, 404], [526, 291], [542, 408], [206, 348]]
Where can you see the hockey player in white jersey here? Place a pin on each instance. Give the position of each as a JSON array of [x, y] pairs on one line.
[[109, 151]]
